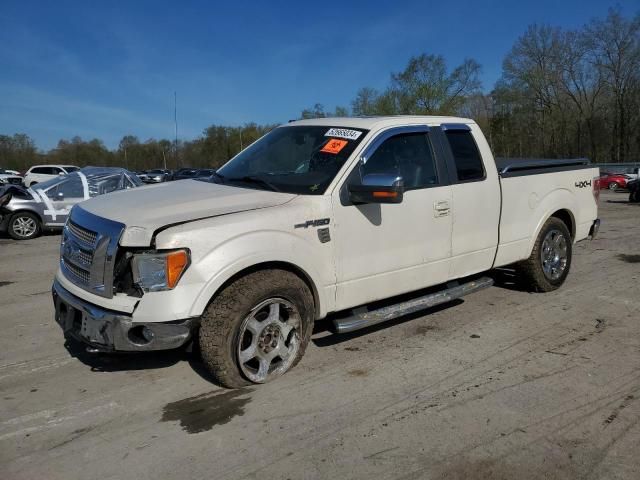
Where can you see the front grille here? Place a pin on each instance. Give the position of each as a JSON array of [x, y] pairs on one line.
[[80, 274], [15, 181], [88, 251], [87, 236]]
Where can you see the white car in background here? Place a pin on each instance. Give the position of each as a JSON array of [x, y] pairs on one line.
[[42, 173], [7, 177]]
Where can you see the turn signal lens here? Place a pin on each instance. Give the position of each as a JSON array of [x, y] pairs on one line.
[[385, 194], [176, 264]]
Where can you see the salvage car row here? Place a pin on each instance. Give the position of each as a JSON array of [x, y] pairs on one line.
[[42, 200]]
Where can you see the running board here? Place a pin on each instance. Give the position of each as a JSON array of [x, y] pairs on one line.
[[373, 317]]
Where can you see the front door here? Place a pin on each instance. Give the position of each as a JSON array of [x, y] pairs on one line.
[[388, 249]]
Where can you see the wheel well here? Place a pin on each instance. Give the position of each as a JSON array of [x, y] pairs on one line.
[[566, 218], [24, 210], [289, 267]]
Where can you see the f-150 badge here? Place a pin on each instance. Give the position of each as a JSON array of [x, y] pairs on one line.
[[313, 223]]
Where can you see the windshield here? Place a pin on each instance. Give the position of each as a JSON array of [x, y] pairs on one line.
[[292, 159]]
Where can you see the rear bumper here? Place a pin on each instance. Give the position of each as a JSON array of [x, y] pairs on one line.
[[595, 227], [110, 331]]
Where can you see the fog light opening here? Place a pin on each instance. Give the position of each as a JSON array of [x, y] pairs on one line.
[[141, 335]]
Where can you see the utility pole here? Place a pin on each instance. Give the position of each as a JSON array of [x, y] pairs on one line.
[[175, 121], [241, 147]]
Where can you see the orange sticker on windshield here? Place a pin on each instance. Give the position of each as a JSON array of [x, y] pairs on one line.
[[334, 146]]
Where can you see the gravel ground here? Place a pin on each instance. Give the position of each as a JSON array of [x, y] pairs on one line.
[[504, 384]]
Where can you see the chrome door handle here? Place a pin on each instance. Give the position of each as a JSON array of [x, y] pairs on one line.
[[441, 208]]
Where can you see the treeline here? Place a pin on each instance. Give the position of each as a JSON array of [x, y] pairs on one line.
[[562, 93]]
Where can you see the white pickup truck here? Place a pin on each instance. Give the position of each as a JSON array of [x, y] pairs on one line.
[[318, 218]]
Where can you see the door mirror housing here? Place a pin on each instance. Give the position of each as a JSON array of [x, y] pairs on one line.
[[377, 188], [59, 196]]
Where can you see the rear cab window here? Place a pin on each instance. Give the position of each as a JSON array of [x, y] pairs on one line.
[[466, 156]]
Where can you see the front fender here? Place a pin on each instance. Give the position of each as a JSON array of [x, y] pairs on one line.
[[267, 246]]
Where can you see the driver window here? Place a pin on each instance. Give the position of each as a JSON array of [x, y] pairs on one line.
[[407, 155], [68, 189]]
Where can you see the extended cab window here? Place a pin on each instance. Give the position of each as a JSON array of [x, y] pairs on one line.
[[466, 156], [406, 155]]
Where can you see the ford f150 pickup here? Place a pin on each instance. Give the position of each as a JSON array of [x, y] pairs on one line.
[[360, 218]]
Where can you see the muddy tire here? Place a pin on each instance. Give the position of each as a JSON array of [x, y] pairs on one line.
[[257, 328], [550, 261], [24, 226]]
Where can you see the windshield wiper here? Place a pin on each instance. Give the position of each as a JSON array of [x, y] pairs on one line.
[[255, 180]]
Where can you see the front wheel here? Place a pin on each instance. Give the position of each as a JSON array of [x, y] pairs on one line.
[[24, 226], [257, 328], [613, 186], [548, 265]]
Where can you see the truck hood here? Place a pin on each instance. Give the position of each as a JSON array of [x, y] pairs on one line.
[[145, 209]]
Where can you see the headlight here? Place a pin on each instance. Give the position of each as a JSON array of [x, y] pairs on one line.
[[159, 271]]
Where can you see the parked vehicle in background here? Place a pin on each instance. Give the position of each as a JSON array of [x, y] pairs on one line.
[[9, 178], [318, 216], [614, 181], [183, 173], [156, 175], [205, 172], [42, 173], [25, 212], [634, 190], [12, 172]]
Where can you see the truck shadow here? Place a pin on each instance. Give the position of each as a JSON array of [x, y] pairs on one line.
[[124, 361], [116, 362], [508, 279]]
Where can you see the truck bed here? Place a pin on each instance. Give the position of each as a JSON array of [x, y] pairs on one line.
[[533, 190]]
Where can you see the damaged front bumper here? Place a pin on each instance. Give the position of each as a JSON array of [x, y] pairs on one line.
[[109, 331]]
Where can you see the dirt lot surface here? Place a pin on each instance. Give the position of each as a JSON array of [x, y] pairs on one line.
[[505, 384]]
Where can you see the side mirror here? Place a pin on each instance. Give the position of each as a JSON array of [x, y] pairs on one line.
[[62, 174], [60, 196], [377, 188]]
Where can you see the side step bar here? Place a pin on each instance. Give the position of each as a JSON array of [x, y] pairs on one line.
[[373, 317]]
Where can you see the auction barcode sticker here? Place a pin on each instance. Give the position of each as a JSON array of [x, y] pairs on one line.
[[343, 133]]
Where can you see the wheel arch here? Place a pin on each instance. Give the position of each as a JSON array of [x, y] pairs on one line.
[[558, 204], [28, 210], [567, 218], [214, 288]]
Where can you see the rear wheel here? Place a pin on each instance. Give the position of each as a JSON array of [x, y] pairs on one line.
[[24, 225], [548, 265], [257, 328], [634, 197]]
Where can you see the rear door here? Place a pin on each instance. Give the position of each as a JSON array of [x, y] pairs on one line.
[[476, 200]]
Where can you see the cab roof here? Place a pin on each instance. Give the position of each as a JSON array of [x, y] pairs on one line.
[[376, 123]]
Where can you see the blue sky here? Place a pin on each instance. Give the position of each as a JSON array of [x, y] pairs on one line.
[[106, 69]]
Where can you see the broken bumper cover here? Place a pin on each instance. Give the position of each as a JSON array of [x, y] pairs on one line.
[[109, 331]]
